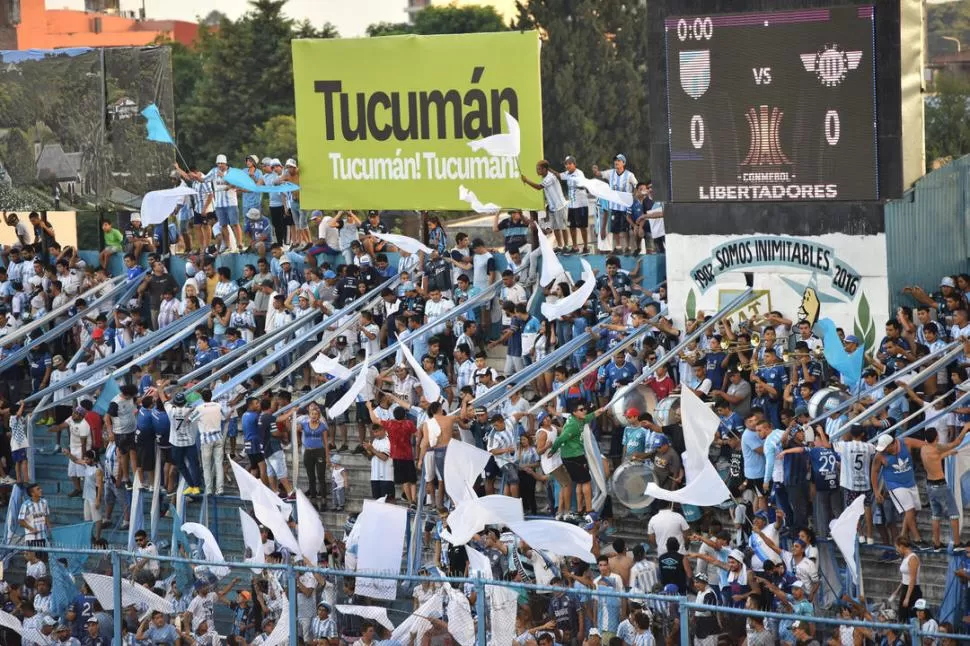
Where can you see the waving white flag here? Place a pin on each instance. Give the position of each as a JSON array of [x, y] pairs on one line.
[[505, 145], [350, 396], [251, 539], [158, 205], [556, 536], [210, 547], [845, 533], [403, 242], [463, 464], [599, 188], [373, 613], [467, 196], [309, 530], [324, 365], [429, 387], [551, 267], [704, 485], [576, 298], [276, 522]]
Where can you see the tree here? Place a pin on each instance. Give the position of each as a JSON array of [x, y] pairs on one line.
[[214, 18], [594, 93], [947, 19], [305, 29], [948, 118], [389, 29], [446, 19], [246, 78], [19, 158], [275, 138]]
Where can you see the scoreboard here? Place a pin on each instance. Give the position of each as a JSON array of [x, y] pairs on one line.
[[772, 106]]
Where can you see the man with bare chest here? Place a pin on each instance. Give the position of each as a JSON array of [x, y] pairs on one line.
[[942, 503]]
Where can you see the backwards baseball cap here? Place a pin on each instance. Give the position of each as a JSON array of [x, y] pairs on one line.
[[947, 281], [541, 417], [620, 157], [883, 442], [700, 576], [594, 632], [569, 160], [920, 604], [797, 584], [633, 413], [852, 339]]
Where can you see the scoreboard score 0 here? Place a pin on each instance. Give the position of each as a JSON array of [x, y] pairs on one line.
[[772, 106]]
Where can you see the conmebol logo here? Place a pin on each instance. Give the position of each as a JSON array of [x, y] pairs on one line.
[[765, 147]]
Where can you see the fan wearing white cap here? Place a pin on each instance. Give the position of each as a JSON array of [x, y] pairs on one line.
[[225, 200], [251, 199], [137, 237], [894, 463]]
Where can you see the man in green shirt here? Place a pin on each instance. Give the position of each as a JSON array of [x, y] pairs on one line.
[[570, 447], [113, 242]]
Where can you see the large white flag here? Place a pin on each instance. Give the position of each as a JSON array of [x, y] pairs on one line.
[[251, 539], [272, 518], [403, 242], [576, 298], [551, 267], [463, 464], [845, 533], [309, 530], [324, 365], [602, 190], [556, 536], [504, 145], [467, 196], [350, 396], [374, 613], [704, 485], [472, 516], [252, 488], [158, 205], [429, 387], [210, 547]]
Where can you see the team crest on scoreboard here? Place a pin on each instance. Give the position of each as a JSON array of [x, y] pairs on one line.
[[831, 64], [695, 72]]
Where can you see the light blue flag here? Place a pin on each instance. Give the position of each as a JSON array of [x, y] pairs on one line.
[[156, 125], [241, 179], [63, 589], [848, 365], [77, 535], [109, 390]]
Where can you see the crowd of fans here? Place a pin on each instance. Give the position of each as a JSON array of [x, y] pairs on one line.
[[788, 478]]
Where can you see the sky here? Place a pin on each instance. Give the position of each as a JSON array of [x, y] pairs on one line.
[[350, 16]]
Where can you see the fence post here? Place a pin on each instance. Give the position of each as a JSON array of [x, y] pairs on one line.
[[291, 593], [116, 593], [684, 623], [480, 608]]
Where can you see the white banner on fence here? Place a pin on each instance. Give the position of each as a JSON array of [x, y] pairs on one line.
[[382, 529]]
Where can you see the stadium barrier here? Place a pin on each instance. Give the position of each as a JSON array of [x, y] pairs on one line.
[[502, 598]]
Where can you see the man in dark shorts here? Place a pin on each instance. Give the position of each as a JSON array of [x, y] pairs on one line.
[[252, 438]]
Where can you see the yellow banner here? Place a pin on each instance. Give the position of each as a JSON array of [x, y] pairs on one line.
[[385, 123]]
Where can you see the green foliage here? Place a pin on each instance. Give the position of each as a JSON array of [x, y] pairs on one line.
[[594, 94], [691, 307], [947, 19], [244, 78], [864, 328], [389, 29], [19, 155], [275, 138], [450, 19], [948, 118]]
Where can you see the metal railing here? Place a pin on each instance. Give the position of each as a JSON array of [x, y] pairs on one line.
[[670, 606]]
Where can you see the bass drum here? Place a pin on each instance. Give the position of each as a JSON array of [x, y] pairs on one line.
[[668, 411], [825, 400], [642, 398], [629, 483]]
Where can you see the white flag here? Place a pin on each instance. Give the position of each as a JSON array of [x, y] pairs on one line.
[[309, 529], [551, 267], [158, 205], [556, 536], [599, 188], [845, 533], [251, 539], [463, 464], [505, 145], [704, 485], [429, 387], [373, 613], [576, 298], [467, 196], [210, 547], [350, 396], [324, 365], [403, 242]]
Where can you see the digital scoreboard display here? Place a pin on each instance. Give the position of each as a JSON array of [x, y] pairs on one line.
[[773, 106]]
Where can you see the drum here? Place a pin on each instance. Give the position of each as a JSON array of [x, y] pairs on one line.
[[629, 482], [642, 398], [668, 411], [825, 400]]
